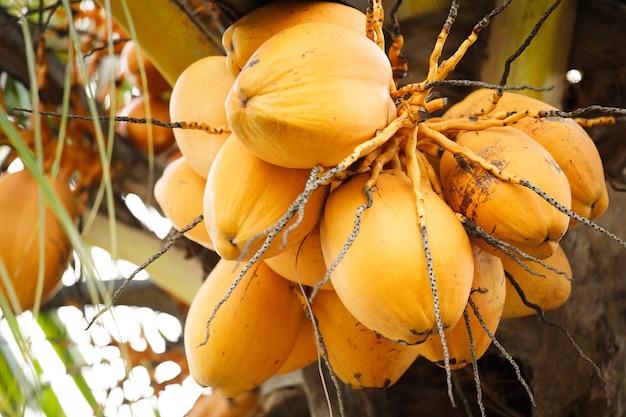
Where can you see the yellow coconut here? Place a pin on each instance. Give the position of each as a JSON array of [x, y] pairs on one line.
[[510, 212], [358, 356], [20, 237], [147, 137], [568, 143], [310, 94], [304, 351], [179, 194], [131, 60], [383, 278], [198, 96], [546, 287], [302, 263], [246, 35], [251, 334], [488, 295], [245, 196]]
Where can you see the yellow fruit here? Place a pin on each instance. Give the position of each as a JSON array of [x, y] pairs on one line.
[[198, 96], [179, 193], [244, 196], [567, 142], [246, 35], [488, 294], [252, 333], [358, 356], [383, 279], [310, 94], [130, 58], [138, 133], [303, 263], [20, 237], [214, 405], [509, 212], [549, 289], [304, 350]]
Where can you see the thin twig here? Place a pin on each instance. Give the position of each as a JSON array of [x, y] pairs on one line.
[[541, 314], [584, 111], [482, 84], [526, 43], [168, 244], [218, 130], [503, 351]]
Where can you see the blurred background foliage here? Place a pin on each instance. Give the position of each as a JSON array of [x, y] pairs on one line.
[[65, 57]]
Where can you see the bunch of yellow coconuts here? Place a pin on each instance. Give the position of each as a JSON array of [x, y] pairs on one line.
[[442, 228]]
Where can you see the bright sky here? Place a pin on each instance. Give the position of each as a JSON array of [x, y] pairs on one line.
[[102, 363]]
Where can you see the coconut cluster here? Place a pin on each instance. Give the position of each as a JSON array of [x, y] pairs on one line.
[[349, 226]]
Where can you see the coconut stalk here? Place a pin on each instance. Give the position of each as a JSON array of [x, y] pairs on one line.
[[544, 63], [165, 33]]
